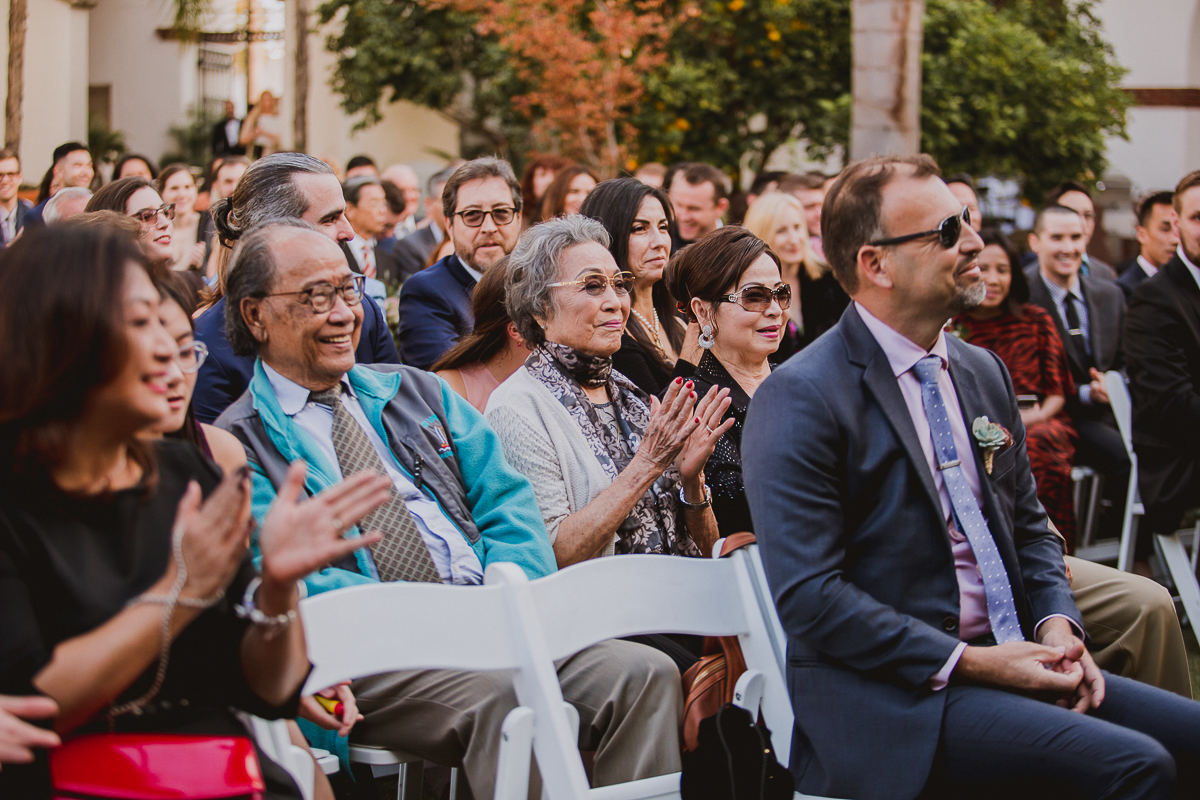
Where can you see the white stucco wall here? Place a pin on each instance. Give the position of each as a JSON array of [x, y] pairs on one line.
[[1158, 41], [153, 81]]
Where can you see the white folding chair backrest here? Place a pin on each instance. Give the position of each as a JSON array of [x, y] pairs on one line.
[[385, 627], [608, 598], [1122, 408]]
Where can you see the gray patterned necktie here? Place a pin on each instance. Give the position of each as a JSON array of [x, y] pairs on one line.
[[401, 554], [1001, 608]]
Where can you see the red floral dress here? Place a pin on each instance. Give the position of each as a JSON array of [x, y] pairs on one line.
[[1031, 349]]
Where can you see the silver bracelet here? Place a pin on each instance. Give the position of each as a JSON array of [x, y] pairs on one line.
[[248, 610], [696, 506]]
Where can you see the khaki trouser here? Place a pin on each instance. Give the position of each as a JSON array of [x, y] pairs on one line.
[[1133, 629], [628, 697]]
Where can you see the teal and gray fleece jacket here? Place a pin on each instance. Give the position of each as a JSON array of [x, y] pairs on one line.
[[440, 442]]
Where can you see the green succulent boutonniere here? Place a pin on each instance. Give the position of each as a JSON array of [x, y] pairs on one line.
[[992, 437]]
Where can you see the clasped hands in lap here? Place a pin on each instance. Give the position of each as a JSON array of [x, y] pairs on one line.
[[1057, 668]]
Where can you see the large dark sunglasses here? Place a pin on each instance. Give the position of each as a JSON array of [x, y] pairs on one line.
[[320, 298], [949, 231], [473, 218], [148, 216], [758, 298]]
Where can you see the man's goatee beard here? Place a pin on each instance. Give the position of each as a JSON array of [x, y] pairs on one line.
[[969, 297]]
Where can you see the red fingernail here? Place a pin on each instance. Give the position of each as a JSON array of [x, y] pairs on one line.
[[678, 381], [693, 394], [690, 384], [697, 420]]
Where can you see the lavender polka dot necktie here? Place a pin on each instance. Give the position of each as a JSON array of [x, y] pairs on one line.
[[1002, 611]]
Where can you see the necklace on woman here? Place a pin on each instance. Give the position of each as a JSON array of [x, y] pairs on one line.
[[654, 329]]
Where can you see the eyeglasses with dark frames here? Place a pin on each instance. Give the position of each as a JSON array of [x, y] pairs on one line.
[[320, 297], [758, 298], [148, 216], [596, 283], [948, 231], [192, 356], [474, 217]]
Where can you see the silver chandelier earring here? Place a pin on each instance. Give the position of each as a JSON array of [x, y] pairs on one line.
[[706, 338]]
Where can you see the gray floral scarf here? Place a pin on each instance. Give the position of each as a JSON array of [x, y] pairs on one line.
[[653, 524]]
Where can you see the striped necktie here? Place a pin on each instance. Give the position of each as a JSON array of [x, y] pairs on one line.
[[401, 555]]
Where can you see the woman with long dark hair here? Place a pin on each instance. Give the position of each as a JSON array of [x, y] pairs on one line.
[[119, 581], [638, 219]]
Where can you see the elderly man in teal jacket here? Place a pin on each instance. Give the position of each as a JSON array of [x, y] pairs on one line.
[[457, 506]]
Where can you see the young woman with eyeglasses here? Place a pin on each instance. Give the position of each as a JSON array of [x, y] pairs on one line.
[[729, 281], [137, 198]]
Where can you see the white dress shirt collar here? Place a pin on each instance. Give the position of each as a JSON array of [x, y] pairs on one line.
[[1147, 267], [902, 353]]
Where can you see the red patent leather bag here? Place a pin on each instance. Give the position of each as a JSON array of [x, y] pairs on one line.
[[154, 766]]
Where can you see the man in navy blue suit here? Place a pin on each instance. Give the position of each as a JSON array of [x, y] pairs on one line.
[[280, 185], [482, 204], [933, 641]]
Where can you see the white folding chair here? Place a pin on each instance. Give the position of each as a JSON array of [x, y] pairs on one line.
[[386, 627], [608, 598], [272, 737], [1170, 547]]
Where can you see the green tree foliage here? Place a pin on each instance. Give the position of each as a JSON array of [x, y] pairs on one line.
[[1027, 89], [430, 54], [1021, 88]]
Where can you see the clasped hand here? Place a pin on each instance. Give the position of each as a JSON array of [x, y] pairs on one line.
[[1059, 666]]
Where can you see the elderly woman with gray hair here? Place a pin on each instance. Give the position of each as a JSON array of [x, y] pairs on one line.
[[614, 470]]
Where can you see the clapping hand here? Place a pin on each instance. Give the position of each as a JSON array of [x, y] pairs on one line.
[[707, 430], [299, 537], [671, 423]]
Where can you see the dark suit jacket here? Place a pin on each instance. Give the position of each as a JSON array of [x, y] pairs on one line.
[[222, 145], [224, 375], [1106, 314], [1131, 277], [387, 269], [1162, 343], [414, 250], [435, 311], [1095, 268], [859, 560], [21, 213]]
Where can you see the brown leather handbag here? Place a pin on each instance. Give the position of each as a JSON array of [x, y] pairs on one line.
[[708, 684]]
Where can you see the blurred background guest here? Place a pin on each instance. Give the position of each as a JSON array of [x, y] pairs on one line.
[[66, 204], [1026, 340], [132, 165], [192, 240], [567, 191], [817, 299], [493, 350], [731, 284], [651, 174], [539, 174], [638, 219]]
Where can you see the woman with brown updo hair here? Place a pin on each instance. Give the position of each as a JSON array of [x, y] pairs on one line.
[[539, 174], [730, 283], [492, 351]]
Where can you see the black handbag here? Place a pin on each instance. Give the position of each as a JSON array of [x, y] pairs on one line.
[[734, 760]]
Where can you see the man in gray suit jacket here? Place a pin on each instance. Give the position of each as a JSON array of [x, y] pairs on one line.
[[920, 586]]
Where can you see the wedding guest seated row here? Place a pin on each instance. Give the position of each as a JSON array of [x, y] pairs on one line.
[[454, 506], [121, 559]]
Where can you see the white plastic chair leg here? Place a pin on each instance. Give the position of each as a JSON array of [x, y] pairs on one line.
[[1174, 556], [516, 748]]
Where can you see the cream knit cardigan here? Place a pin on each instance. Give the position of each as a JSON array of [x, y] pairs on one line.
[[544, 443]]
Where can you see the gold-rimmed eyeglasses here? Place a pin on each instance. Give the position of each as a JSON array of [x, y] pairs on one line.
[[596, 284]]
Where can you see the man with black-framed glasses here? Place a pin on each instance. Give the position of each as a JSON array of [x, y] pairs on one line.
[[13, 209], [482, 204]]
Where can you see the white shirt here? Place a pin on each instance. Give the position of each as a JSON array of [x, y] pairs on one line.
[[363, 251], [474, 273], [8, 222], [456, 562], [1147, 267]]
